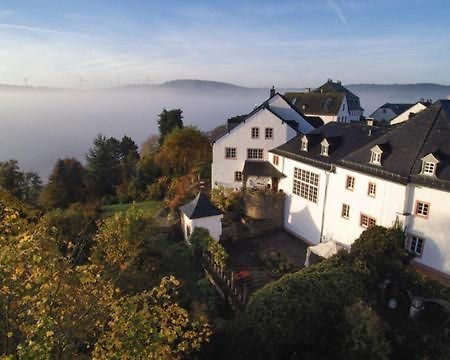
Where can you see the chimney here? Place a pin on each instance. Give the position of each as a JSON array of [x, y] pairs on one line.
[[339, 82], [370, 125], [330, 80], [272, 91]]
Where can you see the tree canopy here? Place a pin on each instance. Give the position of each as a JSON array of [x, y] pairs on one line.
[[169, 120]]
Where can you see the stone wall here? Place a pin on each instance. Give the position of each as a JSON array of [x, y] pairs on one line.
[[265, 205]]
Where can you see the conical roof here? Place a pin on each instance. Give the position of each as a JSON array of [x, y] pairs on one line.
[[200, 207]]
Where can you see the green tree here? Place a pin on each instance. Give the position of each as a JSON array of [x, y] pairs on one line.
[[65, 185], [25, 186], [123, 248], [364, 335], [168, 121], [183, 150], [104, 166], [151, 325]]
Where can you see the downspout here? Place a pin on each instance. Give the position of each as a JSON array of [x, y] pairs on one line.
[[327, 179]]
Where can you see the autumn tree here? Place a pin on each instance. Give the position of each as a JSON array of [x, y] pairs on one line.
[[183, 150], [65, 185], [168, 121], [123, 248], [151, 325]]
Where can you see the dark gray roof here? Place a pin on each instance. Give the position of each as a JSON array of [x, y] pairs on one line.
[[315, 121], [333, 87], [200, 207], [316, 103], [406, 144], [397, 109], [261, 168], [236, 120], [342, 138]]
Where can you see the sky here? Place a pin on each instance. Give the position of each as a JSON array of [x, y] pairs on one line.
[[301, 43]]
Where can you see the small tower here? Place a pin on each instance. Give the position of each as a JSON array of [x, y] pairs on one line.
[[200, 212]]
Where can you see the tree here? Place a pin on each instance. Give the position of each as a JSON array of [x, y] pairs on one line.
[[65, 185], [183, 150], [169, 121], [25, 186], [149, 146], [123, 249], [104, 166], [151, 325]]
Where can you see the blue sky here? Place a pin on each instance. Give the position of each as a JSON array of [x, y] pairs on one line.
[[100, 43]]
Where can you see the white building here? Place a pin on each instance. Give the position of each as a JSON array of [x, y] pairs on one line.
[[343, 178], [200, 212], [408, 113], [240, 154], [329, 102]]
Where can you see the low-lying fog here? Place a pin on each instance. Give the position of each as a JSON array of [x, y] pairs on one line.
[[38, 127]]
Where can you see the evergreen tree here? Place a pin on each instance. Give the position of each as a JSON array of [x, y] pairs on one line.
[[169, 121]]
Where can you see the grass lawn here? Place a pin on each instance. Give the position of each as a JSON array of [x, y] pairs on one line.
[[151, 207]]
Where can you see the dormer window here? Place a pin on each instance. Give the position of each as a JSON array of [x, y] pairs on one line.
[[304, 144], [375, 155], [429, 164], [324, 147]]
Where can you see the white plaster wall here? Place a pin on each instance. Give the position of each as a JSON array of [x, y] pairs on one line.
[[342, 112], [385, 207], [240, 138], [379, 115], [212, 223], [301, 216], [435, 229], [404, 116]]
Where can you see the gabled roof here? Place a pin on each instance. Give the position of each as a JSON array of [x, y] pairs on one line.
[[397, 109], [336, 87], [261, 168], [427, 132], [316, 103], [200, 207], [235, 121], [342, 138]]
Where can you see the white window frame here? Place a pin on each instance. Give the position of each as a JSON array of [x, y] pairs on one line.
[[345, 212], [416, 245], [372, 189], [255, 154], [255, 132], [422, 209], [375, 158], [428, 168], [268, 133], [367, 221], [238, 176], [306, 184], [350, 182], [275, 160], [230, 151], [324, 149]]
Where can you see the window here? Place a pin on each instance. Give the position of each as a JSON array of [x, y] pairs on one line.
[[255, 154], [428, 168], [367, 221], [422, 209], [350, 183], [269, 133], [306, 184], [275, 160], [372, 190], [375, 158], [345, 211], [324, 150], [230, 153], [238, 176], [255, 133], [416, 245], [304, 144]]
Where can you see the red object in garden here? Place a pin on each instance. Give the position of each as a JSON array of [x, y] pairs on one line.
[[244, 274]]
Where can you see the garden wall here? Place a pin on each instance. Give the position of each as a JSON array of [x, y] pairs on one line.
[[266, 205]]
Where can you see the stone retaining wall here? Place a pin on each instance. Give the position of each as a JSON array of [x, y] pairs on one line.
[[265, 205]]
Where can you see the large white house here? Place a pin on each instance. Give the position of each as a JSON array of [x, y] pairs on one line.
[[341, 179], [329, 102], [241, 153]]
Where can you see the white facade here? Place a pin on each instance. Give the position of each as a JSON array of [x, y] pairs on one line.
[[342, 115], [212, 223], [241, 138], [383, 114], [383, 201], [404, 116]]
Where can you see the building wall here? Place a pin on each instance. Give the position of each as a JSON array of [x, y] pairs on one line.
[[385, 207], [404, 116], [435, 229], [240, 137], [383, 114], [212, 223], [341, 116], [301, 216]]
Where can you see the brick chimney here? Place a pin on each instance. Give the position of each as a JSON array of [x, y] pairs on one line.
[[272, 91]]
